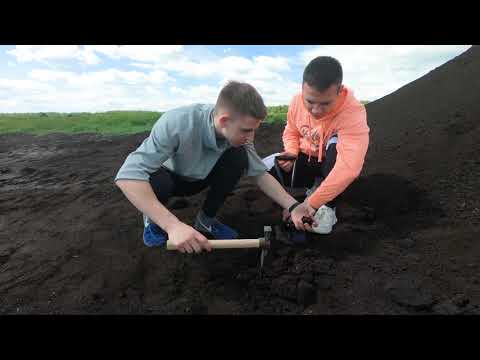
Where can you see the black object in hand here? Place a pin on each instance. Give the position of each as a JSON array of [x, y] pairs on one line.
[[286, 157], [290, 225]]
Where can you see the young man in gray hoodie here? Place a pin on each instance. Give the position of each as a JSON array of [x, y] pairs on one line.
[[195, 147]]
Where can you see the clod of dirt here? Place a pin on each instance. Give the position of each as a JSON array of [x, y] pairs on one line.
[[414, 258], [198, 308], [306, 293], [324, 282], [285, 251], [323, 266], [247, 275], [353, 214], [28, 170], [4, 259], [286, 287], [407, 292], [362, 227], [456, 305], [369, 214], [406, 243], [308, 277], [471, 310], [279, 264], [446, 308], [461, 300]]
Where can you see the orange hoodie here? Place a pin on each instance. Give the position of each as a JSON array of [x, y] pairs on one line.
[[347, 119]]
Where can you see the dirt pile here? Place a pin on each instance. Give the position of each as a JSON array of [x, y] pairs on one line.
[[428, 131]]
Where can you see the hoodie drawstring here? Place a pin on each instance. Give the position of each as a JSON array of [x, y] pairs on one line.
[[310, 132]]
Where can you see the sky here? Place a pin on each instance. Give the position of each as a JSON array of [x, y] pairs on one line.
[[95, 78]]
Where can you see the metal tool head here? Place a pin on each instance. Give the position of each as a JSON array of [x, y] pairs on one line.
[[265, 244], [267, 232]]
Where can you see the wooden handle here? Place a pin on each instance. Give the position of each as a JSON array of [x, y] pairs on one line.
[[229, 244]]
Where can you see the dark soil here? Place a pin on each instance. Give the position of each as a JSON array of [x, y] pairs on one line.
[[406, 241]]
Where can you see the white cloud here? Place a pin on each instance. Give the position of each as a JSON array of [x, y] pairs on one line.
[[96, 78], [195, 94], [23, 85], [41, 53], [142, 65], [50, 75], [230, 67], [271, 93], [20, 95], [277, 93], [87, 54], [159, 77], [176, 90], [8, 105], [89, 57], [140, 53], [273, 63], [65, 91], [263, 72]]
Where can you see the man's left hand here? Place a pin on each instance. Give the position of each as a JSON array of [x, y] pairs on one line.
[[300, 214]]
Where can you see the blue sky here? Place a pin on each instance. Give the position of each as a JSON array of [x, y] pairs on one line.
[[74, 78]]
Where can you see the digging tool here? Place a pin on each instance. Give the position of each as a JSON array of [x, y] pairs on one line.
[[262, 243], [285, 234]]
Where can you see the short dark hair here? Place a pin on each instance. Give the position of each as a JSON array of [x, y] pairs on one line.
[[243, 99], [323, 72]]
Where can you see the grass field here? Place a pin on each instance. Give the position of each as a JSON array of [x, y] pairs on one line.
[[111, 122]]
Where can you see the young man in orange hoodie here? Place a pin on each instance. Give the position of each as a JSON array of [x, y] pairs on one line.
[[328, 135]]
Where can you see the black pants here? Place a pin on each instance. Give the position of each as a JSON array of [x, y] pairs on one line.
[[222, 179], [305, 172]]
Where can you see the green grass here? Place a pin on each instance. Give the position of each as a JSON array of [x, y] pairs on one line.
[[111, 122], [277, 114]]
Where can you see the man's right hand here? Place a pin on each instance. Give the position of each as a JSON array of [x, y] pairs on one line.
[[187, 239], [286, 165]]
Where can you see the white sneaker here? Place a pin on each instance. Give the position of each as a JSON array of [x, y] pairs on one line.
[[325, 218]]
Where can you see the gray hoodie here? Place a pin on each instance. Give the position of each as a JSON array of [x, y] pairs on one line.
[[184, 141]]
